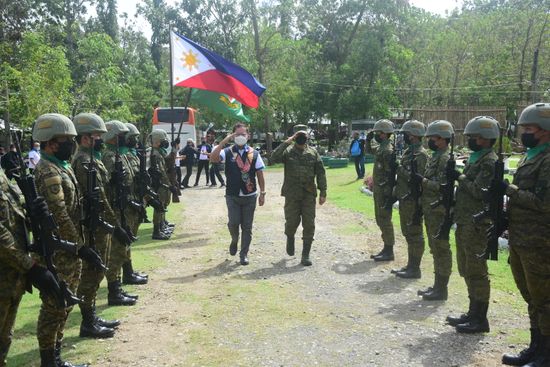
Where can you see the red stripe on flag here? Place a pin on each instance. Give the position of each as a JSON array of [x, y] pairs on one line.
[[217, 81]]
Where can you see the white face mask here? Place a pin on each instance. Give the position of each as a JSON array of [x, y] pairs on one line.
[[240, 140]]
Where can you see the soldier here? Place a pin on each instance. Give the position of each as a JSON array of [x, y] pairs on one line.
[[482, 133], [439, 134], [134, 217], [161, 183], [120, 242], [89, 128], [170, 162], [383, 190], [413, 162], [303, 166], [529, 226], [56, 182], [16, 265]]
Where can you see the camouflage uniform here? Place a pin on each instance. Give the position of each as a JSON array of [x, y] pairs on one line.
[[158, 165], [14, 260], [170, 163], [56, 182]]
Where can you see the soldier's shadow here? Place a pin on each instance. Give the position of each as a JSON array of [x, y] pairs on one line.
[[386, 284], [361, 267], [279, 268], [227, 266], [417, 310]]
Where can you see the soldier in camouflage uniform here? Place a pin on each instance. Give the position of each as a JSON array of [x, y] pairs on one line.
[[16, 265], [56, 182], [410, 208], [134, 217], [303, 165], [382, 191], [439, 134], [482, 133], [170, 163], [529, 228], [123, 238], [161, 182], [89, 128]]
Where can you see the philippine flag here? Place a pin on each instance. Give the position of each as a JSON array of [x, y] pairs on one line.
[[194, 66]]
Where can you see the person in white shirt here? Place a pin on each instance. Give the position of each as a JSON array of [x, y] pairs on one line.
[[34, 156]]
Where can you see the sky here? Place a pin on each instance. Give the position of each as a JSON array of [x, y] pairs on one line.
[[434, 6]]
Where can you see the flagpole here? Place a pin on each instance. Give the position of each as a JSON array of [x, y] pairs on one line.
[[171, 87], [186, 107]]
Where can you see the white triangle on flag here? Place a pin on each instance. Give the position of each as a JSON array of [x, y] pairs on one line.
[[187, 61]]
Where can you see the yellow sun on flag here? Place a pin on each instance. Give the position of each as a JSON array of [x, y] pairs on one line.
[[190, 60]]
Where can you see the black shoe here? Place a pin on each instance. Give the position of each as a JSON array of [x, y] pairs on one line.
[[116, 297], [439, 290], [385, 255], [465, 317], [107, 323], [168, 224], [477, 322], [129, 295], [244, 260], [526, 355], [159, 235], [395, 271], [305, 254], [422, 292], [290, 246], [233, 247], [90, 329], [134, 279], [57, 358], [410, 273], [541, 357]]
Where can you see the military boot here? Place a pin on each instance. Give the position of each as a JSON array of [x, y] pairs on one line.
[[158, 235], [477, 322], [542, 354], [290, 245], [168, 224], [465, 317], [105, 323], [526, 355], [412, 271], [59, 362], [439, 290], [115, 296], [47, 358], [129, 276], [305, 253], [422, 292], [385, 255], [126, 294], [90, 329]]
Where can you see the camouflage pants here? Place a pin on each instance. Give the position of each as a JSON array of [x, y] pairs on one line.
[[440, 249], [159, 216], [531, 270], [134, 221], [300, 210], [383, 219], [470, 243], [12, 290], [413, 233], [91, 277], [52, 318]]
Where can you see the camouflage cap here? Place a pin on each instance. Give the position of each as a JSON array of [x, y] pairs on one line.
[[158, 136], [299, 127], [132, 130], [384, 126], [414, 127], [536, 114], [441, 128], [51, 125], [89, 123], [114, 128], [485, 126]]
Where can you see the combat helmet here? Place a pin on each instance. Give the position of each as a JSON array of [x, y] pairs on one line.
[[414, 127], [114, 128], [384, 126], [485, 126], [51, 125], [89, 123], [158, 136], [536, 114], [441, 128], [132, 129]]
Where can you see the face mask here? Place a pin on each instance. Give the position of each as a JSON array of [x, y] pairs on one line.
[[121, 141], [164, 144], [473, 145], [240, 140], [528, 140], [378, 139], [301, 139], [64, 150], [98, 145], [407, 139], [432, 146], [131, 142]]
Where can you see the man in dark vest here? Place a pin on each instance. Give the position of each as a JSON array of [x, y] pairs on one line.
[[242, 165]]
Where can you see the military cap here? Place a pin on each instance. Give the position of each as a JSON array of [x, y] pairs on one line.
[[89, 123], [414, 127], [536, 114], [441, 128], [51, 125], [114, 128], [485, 126], [385, 126], [299, 127], [132, 129], [158, 136]]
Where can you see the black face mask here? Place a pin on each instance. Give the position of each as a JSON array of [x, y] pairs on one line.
[[378, 139], [131, 142], [473, 145], [301, 139], [121, 141], [407, 139], [432, 145], [64, 150], [164, 144], [528, 140], [98, 145]]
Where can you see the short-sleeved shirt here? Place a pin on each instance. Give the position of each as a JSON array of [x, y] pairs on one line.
[[34, 155]]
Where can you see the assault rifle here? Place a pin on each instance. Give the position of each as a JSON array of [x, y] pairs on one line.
[[144, 182], [93, 206], [121, 201], [44, 231], [447, 199], [415, 193], [493, 200], [390, 179]]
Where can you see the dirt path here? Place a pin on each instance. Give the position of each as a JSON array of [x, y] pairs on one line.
[[203, 309]]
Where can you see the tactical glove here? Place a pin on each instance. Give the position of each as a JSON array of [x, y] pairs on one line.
[[122, 236], [91, 257], [39, 208], [43, 280]]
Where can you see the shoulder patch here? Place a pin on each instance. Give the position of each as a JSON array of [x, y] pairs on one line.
[[53, 186]]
